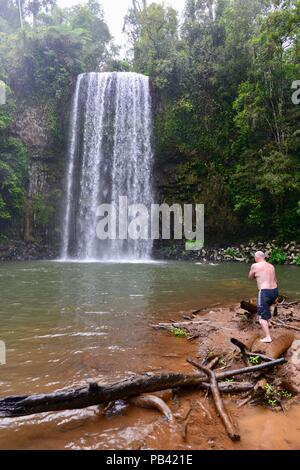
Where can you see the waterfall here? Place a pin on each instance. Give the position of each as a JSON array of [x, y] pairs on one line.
[[109, 156]]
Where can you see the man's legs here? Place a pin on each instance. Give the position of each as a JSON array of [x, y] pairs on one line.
[[266, 329], [264, 312]]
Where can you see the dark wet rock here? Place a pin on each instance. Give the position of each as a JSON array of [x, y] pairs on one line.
[[243, 253], [27, 251]]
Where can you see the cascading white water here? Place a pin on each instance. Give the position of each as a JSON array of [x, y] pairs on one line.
[[110, 156]]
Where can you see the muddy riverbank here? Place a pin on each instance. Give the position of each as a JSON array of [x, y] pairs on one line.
[[263, 422], [197, 425]]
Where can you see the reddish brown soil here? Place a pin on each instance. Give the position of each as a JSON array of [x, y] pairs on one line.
[[198, 426]]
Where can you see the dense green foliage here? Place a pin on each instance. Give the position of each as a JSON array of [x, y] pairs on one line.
[[226, 129], [13, 171], [40, 60], [278, 257], [226, 120]]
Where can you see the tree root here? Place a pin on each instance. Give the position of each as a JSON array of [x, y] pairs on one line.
[[152, 401], [227, 421]]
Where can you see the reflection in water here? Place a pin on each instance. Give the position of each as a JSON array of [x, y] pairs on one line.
[[64, 324]]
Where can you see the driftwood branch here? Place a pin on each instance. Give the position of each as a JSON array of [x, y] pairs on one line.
[[242, 348], [289, 304], [212, 363], [246, 370], [282, 324], [230, 387], [245, 401], [205, 410], [185, 324], [293, 318], [228, 424]]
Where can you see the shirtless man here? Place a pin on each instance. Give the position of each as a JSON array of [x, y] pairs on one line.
[[265, 275]]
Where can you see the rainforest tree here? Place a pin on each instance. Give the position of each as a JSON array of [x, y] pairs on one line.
[[226, 123], [42, 48]]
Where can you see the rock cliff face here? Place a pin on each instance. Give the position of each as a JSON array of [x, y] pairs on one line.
[[27, 251], [35, 125], [31, 127], [43, 128]]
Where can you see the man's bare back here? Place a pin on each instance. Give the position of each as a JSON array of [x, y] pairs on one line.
[[265, 275]]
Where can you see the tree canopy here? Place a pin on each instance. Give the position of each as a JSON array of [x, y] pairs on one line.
[[227, 119]]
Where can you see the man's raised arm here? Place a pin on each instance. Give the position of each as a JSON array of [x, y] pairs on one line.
[[252, 273]]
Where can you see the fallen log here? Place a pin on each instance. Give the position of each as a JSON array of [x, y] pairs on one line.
[[77, 399], [95, 394], [227, 421], [249, 307]]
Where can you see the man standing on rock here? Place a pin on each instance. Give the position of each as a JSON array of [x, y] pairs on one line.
[[265, 275]]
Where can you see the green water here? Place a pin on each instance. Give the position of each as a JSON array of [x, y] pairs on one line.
[[57, 311]]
